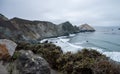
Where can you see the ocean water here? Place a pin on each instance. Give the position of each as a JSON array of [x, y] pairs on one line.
[[106, 40]]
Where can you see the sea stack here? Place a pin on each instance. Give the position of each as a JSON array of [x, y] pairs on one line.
[[86, 28]]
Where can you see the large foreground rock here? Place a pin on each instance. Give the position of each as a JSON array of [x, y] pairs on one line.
[[29, 63], [7, 48]]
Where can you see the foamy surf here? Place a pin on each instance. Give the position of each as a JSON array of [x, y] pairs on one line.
[[72, 35], [63, 42], [113, 55]]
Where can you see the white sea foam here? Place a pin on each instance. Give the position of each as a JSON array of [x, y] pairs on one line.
[[43, 40], [62, 37], [65, 40], [72, 35], [113, 55], [66, 46]]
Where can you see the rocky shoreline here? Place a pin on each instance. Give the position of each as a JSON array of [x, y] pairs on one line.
[[21, 53], [18, 29]]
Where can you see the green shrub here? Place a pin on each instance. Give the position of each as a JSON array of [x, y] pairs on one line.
[[86, 61]]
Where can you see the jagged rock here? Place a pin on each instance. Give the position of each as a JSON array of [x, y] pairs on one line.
[[7, 48], [86, 28], [29, 63]]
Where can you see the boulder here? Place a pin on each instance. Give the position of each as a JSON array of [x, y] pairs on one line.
[[86, 28], [29, 63], [7, 48]]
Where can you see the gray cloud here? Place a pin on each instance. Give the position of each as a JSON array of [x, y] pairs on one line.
[[94, 12]]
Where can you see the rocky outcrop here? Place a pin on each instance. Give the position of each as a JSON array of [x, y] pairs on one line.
[[7, 48], [86, 28], [29, 63], [21, 29], [67, 28]]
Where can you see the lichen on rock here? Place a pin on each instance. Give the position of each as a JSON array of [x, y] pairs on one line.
[[7, 48]]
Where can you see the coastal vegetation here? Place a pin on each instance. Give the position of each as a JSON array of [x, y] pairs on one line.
[[31, 57], [86, 61]]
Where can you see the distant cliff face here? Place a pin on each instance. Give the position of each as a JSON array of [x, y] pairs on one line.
[[34, 29], [21, 29], [86, 28], [7, 29]]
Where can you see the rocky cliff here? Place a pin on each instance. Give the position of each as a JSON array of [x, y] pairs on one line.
[[86, 28], [67, 28], [21, 29]]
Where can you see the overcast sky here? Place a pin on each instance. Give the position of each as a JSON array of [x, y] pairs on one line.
[[93, 12]]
